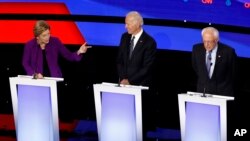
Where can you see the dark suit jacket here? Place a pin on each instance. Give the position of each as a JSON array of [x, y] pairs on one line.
[[222, 79], [138, 69]]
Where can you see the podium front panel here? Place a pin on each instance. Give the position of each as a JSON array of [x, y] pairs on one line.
[[118, 117], [203, 118], [34, 114], [118, 112], [202, 122], [35, 108]]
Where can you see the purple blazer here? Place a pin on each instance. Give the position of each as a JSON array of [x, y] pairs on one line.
[[33, 60]]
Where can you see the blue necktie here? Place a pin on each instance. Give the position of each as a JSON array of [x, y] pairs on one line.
[[131, 46], [209, 62]]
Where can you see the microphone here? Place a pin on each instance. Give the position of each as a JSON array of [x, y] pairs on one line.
[[36, 66], [204, 91], [35, 76], [119, 84]]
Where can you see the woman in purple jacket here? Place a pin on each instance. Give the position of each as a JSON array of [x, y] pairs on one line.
[[40, 56]]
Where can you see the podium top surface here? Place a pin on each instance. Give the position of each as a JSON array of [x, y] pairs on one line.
[[123, 86], [28, 80], [45, 78], [207, 96]]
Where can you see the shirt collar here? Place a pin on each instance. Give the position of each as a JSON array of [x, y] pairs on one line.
[[137, 36], [214, 50]]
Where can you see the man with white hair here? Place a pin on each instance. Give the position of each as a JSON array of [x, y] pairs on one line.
[[136, 53], [135, 61], [214, 64]]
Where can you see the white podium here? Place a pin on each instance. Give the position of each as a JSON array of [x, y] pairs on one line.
[[35, 108], [203, 118], [118, 112]]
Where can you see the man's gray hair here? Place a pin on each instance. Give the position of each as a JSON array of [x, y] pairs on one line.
[[210, 29], [137, 16]]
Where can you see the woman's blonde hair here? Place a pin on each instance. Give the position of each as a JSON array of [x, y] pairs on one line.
[[40, 27]]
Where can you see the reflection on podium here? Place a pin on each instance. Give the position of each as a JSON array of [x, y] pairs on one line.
[[35, 108], [118, 112], [203, 118]]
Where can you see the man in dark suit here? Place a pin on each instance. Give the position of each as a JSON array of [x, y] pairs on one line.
[[135, 63], [214, 64]]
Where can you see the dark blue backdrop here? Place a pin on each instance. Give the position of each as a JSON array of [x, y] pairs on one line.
[[222, 12]]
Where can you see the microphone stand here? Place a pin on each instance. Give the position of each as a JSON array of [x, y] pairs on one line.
[[204, 93], [35, 69], [34, 76], [119, 84]]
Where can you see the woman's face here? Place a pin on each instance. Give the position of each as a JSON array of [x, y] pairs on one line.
[[43, 38]]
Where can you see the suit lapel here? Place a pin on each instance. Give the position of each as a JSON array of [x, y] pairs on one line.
[[139, 43], [128, 38], [218, 59], [203, 56], [218, 55]]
